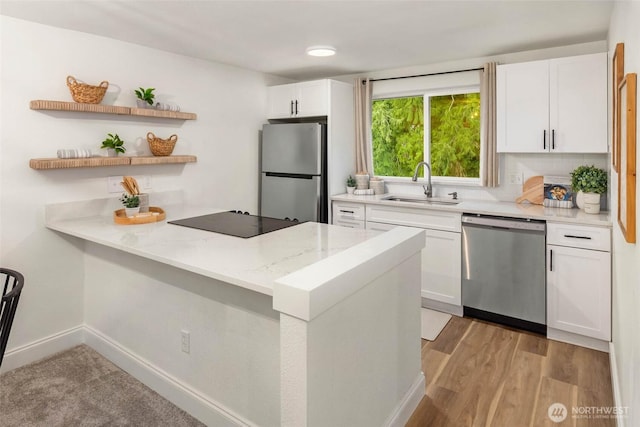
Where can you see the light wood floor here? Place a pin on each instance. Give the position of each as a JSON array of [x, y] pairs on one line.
[[481, 374]]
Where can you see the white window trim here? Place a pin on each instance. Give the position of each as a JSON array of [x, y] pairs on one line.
[[426, 94]]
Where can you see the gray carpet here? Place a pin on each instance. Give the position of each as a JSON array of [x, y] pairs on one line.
[[79, 387]]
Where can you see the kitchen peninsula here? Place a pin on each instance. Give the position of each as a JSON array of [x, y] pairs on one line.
[[310, 325]]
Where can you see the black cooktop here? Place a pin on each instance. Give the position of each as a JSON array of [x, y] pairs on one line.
[[235, 224]]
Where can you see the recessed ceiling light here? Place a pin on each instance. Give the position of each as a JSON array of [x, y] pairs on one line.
[[321, 51]]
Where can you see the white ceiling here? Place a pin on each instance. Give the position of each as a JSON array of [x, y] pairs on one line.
[[271, 36]]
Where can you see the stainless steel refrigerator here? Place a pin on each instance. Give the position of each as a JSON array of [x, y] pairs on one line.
[[294, 172]]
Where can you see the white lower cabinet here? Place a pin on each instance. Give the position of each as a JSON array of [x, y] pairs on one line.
[[349, 223], [348, 214], [441, 267], [441, 256], [579, 281], [379, 226]]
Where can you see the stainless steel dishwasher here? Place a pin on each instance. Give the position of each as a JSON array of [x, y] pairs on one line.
[[503, 271]]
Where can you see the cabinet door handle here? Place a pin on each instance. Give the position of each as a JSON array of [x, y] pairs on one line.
[[550, 259], [344, 211], [571, 236], [296, 107], [291, 107], [553, 139], [544, 139]]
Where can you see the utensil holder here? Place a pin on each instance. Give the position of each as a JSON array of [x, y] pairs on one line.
[[362, 181], [144, 202], [377, 185]]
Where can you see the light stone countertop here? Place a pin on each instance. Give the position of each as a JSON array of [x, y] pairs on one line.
[[252, 263], [485, 207]]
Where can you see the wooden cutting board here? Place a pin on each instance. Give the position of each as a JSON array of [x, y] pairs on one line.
[[533, 191]]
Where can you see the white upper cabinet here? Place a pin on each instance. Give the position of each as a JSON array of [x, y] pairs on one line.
[[522, 102], [557, 105], [306, 99]]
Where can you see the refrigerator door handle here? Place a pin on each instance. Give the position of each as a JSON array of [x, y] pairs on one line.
[[289, 175], [319, 214]]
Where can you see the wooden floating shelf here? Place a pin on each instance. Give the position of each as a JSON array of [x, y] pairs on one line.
[[149, 112], [94, 162], [40, 104]]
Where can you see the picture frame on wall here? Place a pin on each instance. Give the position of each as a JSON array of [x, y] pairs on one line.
[[627, 100], [617, 73]]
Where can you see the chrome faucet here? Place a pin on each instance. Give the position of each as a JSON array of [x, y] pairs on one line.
[[428, 190]]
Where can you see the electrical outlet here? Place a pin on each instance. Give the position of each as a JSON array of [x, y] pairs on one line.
[[515, 178], [113, 184], [144, 181], [186, 341]]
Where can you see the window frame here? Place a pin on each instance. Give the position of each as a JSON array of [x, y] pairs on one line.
[[427, 94]]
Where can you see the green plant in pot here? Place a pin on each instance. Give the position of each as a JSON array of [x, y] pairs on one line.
[[131, 204], [590, 182], [351, 184], [145, 97], [113, 144]]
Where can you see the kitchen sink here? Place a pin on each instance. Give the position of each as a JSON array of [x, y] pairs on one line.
[[422, 200]]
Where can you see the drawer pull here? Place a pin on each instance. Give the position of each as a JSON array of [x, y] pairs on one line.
[[571, 236], [344, 211]]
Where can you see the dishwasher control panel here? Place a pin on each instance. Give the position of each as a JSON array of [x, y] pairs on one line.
[[503, 222]]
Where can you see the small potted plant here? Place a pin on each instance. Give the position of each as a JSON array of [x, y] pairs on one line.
[[114, 145], [351, 184], [590, 182], [145, 97], [131, 204]]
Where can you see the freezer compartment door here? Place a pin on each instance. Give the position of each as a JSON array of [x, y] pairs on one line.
[[292, 148], [291, 196]]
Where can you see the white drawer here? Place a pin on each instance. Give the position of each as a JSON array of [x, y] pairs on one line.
[[348, 211], [579, 236], [348, 223], [379, 226], [411, 217]]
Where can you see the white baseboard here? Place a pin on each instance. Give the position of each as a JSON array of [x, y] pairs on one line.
[[576, 339], [408, 404], [444, 307], [204, 409], [180, 394], [615, 383], [42, 348]]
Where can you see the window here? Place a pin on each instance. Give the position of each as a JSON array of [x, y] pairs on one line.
[[439, 127]]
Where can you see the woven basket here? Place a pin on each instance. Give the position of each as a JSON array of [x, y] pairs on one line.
[[161, 147], [86, 94]]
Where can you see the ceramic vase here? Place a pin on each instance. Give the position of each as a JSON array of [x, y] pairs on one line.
[[131, 212], [591, 203]]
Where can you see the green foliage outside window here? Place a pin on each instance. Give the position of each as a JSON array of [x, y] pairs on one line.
[[397, 126]]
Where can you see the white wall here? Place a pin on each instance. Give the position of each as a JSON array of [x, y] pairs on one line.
[[526, 165], [231, 106], [626, 257], [141, 306]]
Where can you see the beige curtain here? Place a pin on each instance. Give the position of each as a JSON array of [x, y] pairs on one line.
[[488, 129], [362, 104]]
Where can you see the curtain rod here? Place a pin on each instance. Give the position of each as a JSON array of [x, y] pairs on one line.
[[425, 75]]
